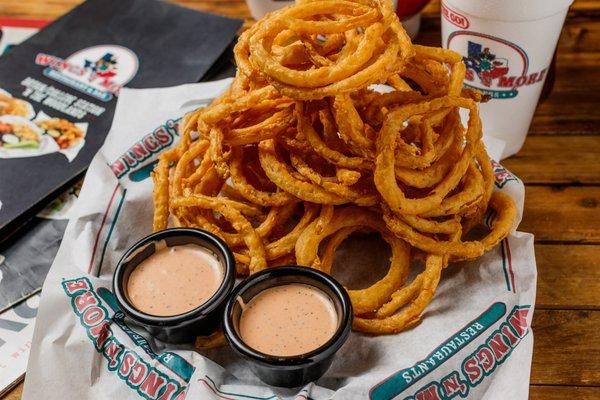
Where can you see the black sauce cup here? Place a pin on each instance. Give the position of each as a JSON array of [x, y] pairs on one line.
[[289, 371], [181, 328]]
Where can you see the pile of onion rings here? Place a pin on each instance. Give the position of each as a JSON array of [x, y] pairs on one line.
[[302, 151]]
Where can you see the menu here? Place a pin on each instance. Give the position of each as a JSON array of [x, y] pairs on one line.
[[58, 89]]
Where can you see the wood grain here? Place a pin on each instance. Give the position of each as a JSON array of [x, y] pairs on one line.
[[581, 32], [568, 276], [558, 213], [566, 348], [563, 392], [557, 160], [48, 10], [15, 393], [572, 107]]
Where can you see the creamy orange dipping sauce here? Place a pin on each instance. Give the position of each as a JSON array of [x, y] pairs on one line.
[[174, 280], [288, 320]]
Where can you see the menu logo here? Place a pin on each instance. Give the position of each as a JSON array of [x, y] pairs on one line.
[[495, 66], [99, 71], [455, 18]]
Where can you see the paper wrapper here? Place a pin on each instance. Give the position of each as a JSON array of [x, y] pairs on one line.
[[474, 339]]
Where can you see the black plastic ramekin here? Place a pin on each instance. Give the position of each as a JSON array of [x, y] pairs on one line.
[[181, 328], [292, 371]]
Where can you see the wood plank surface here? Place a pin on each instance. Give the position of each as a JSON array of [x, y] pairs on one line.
[[566, 348], [572, 107], [581, 32], [557, 160], [563, 393], [568, 276], [558, 213], [15, 393]]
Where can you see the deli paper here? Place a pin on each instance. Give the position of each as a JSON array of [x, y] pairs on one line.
[[474, 340]]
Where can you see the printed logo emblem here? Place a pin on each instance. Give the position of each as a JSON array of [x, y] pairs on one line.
[[455, 18], [99, 71], [484, 64], [495, 66], [501, 175]]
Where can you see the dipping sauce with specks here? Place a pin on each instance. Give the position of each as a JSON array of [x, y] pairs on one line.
[[174, 280], [288, 320]]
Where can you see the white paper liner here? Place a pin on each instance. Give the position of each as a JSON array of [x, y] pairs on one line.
[[496, 292]]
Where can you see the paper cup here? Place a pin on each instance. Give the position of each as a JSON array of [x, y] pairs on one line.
[[507, 47], [409, 12], [412, 25], [258, 8]]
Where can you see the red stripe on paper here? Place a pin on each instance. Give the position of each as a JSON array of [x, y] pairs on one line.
[[112, 198], [510, 268]]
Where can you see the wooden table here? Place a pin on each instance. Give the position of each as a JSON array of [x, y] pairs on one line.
[[560, 165]]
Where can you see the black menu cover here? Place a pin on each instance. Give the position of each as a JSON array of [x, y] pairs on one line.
[[58, 89]]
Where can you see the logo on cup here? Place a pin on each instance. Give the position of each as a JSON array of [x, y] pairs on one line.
[[495, 66], [455, 18], [486, 65]]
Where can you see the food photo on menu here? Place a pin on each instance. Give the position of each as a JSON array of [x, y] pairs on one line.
[[308, 205]]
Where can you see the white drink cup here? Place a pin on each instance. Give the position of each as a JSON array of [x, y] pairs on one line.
[[507, 46], [258, 8]]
